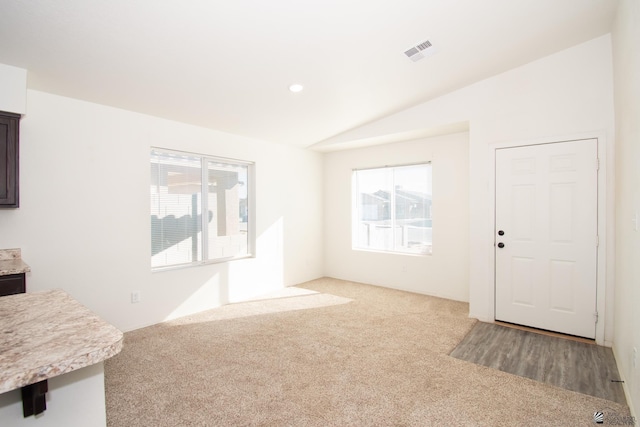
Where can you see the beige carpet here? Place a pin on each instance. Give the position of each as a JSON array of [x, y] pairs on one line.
[[326, 353]]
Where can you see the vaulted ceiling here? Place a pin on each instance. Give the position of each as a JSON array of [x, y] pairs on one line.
[[227, 65]]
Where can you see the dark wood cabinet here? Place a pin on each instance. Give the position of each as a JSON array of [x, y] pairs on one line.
[[12, 284], [9, 161]]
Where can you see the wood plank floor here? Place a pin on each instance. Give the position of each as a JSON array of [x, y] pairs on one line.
[[577, 366]]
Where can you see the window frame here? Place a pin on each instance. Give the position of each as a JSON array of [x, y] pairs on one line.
[[356, 213], [204, 171]]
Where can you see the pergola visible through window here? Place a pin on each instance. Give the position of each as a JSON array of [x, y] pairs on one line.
[[199, 209]]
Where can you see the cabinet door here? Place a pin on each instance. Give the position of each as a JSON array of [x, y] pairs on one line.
[[12, 284], [9, 125]]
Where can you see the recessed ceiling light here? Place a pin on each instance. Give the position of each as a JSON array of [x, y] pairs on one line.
[[296, 88]]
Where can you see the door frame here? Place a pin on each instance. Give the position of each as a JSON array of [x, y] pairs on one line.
[[605, 252]]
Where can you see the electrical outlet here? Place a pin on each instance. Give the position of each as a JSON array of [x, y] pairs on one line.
[[135, 297]]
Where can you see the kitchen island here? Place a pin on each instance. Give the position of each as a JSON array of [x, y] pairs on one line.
[[49, 335]]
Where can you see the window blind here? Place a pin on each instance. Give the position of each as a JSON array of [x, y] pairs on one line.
[[199, 209]]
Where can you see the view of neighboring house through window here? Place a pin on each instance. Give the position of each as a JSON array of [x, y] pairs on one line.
[[392, 209], [199, 209]]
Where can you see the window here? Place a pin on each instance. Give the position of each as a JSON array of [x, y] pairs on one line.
[[200, 209], [392, 209]]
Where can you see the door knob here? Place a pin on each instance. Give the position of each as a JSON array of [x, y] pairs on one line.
[[501, 245], [500, 233]]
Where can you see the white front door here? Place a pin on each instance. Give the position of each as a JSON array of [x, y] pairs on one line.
[[546, 236]]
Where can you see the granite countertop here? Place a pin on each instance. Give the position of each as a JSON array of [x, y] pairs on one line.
[[45, 334], [11, 262]]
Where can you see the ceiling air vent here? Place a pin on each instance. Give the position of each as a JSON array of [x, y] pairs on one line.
[[420, 51]]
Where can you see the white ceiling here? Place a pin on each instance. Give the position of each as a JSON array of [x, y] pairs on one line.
[[227, 65]]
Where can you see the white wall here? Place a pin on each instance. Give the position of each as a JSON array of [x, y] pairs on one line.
[[84, 219], [566, 94], [75, 399], [626, 56], [445, 273], [13, 89]]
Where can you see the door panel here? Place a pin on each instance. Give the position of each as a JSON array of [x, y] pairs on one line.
[[546, 207], [562, 285], [522, 269], [523, 207]]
